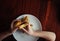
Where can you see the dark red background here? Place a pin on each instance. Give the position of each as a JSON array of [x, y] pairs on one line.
[[46, 11]]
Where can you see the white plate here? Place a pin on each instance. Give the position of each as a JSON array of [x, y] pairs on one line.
[[19, 36]]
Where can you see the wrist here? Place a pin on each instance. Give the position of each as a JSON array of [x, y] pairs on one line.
[[34, 34]]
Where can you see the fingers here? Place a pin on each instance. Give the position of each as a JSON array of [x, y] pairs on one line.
[[12, 24], [30, 28], [14, 30]]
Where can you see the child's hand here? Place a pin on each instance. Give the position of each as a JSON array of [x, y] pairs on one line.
[[13, 29], [29, 31]]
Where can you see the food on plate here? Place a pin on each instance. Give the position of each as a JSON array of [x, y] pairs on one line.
[[25, 19], [22, 26], [22, 23], [17, 23]]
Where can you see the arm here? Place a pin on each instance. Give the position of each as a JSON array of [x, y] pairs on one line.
[[9, 32], [4, 35], [44, 34]]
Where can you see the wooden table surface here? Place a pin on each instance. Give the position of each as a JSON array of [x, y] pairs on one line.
[[46, 11]]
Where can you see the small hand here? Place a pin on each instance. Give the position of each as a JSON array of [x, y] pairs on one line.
[[29, 31], [9, 32], [13, 29]]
